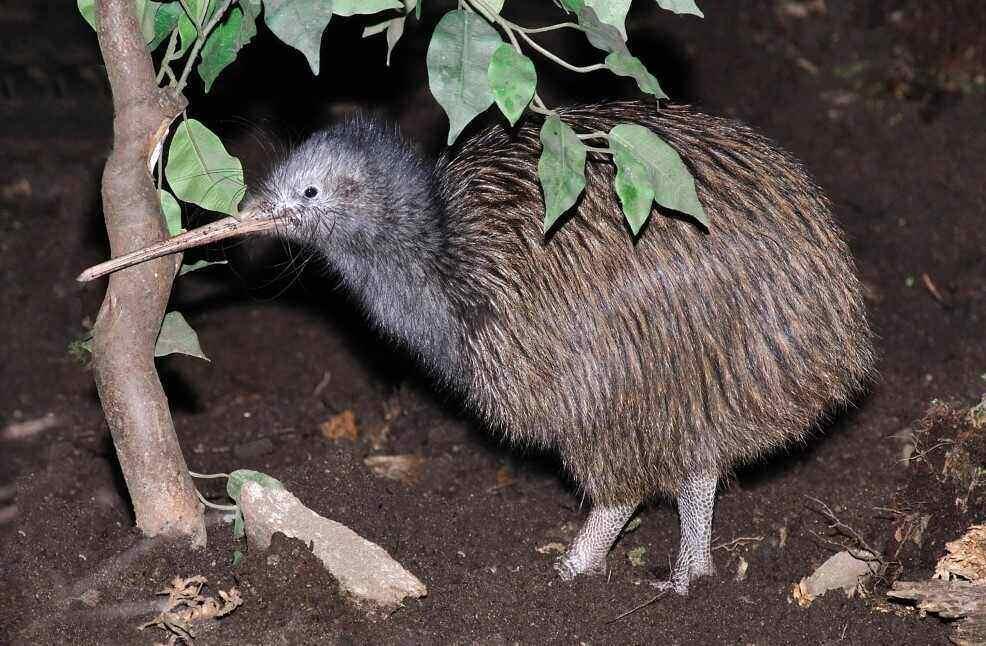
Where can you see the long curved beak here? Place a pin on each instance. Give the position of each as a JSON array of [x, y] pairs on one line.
[[228, 227]]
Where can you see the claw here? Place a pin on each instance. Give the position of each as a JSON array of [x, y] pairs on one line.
[[564, 569], [682, 575], [679, 587]]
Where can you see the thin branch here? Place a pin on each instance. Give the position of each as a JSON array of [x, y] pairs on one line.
[[200, 41], [527, 30], [169, 55], [559, 61], [213, 505], [509, 28], [541, 30], [736, 543], [595, 134], [638, 607], [208, 475], [845, 530]]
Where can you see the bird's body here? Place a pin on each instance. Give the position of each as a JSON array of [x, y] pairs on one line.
[[652, 365]]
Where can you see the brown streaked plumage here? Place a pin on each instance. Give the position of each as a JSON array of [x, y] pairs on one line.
[[642, 360]]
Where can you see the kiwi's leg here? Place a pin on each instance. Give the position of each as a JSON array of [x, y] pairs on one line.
[[587, 554], [696, 499]]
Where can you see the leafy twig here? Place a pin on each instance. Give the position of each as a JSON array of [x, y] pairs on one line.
[[200, 41]]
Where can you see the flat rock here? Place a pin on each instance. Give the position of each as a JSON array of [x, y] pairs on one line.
[[841, 571], [365, 571]]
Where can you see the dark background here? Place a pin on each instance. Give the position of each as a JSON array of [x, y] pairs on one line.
[[883, 101]]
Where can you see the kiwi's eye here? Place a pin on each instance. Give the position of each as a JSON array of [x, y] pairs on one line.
[[311, 192]]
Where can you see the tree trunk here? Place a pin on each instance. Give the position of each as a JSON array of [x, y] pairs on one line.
[[130, 317]]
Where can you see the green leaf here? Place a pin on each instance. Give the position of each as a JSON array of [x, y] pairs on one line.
[[626, 65], [201, 264], [300, 23], [226, 40], [373, 30], [201, 171], [146, 17], [561, 168], [165, 20], [574, 6], [80, 348], [495, 5], [681, 6], [633, 186], [237, 554], [238, 525], [172, 212], [177, 337], [353, 7], [187, 33], [601, 35], [394, 33], [512, 80], [88, 10], [241, 476], [458, 61], [416, 6], [200, 10], [394, 28], [612, 12], [649, 169]]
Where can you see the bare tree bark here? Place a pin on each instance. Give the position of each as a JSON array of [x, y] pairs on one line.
[[129, 320]]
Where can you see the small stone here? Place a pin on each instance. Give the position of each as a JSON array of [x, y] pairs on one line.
[[841, 571], [365, 571]]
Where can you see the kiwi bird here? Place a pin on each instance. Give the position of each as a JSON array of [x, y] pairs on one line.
[[652, 364]]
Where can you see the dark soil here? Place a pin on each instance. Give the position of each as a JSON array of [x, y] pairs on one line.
[[883, 101]]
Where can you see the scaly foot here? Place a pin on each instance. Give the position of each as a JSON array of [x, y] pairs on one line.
[[695, 503], [587, 554]]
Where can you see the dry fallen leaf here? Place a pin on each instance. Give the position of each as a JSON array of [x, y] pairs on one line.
[[187, 606], [404, 468], [340, 427], [504, 476], [741, 569], [803, 9], [550, 548], [966, 557]]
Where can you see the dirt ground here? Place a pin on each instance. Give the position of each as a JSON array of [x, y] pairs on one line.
[[883, 101]]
